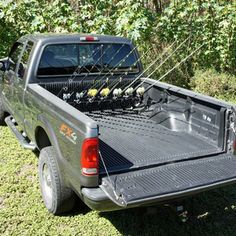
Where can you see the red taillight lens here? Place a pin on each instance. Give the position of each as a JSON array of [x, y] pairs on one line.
[[90, 157]]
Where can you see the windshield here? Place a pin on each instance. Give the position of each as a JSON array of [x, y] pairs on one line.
[[66, 59]]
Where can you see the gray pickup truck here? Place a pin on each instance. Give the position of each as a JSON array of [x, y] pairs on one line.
[[70, 97]]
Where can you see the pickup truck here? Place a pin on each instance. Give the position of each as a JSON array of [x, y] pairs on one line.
[[72, 97]]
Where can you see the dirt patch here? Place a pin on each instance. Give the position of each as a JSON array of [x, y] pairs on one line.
[[26, 169]]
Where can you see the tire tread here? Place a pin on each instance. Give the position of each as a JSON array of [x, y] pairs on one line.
[[63, 197]]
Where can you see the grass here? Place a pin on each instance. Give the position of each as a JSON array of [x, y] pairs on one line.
[[22, 211]]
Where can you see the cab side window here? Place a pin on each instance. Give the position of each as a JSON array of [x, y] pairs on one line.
[[24, 60], [15, 55]]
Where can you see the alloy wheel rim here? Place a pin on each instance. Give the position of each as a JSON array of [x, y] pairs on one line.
[[47, 184]]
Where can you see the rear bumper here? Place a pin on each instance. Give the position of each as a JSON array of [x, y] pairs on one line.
[[96, 198]]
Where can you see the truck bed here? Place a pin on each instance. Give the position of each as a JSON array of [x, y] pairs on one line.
[[176, 127], [129, 140]]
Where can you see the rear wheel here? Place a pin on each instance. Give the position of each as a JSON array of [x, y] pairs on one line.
[[57, 197]]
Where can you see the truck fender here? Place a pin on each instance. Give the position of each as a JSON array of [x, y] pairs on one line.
[[45, 124]]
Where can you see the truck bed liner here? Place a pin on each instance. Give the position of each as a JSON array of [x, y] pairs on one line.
[[129, 140], [164, 182]]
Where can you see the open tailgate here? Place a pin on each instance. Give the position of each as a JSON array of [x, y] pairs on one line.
[[169, 181]]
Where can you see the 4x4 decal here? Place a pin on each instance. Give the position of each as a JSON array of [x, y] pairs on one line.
[[68, 132]]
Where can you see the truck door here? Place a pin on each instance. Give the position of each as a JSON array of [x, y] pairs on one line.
[[20, 83], [10, 74]]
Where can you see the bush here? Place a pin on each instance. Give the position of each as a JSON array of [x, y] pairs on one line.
[[212, 83], [212, 22], [33, 16]]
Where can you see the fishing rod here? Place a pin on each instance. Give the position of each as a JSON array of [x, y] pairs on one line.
[[81, 94], [115, 68], [108, 91], [140, 91], [168, 72], [93, 92], [129, 90], [78, 95], [105, 93], [75, 73], [112, 58], [120, 91]]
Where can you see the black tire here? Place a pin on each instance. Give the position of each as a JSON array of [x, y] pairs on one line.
[[2, 113], [57, 197]]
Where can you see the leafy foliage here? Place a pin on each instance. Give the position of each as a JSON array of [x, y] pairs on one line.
[[152, 25], [128, 18], [212, 83], [211, 22], [31, 16]]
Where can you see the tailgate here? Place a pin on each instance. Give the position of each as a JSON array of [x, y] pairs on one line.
[[169, 181]]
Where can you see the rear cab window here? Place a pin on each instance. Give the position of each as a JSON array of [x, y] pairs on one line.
[[67, 59]]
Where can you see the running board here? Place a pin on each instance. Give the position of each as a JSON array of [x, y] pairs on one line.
[[23, 142], [171, 181]]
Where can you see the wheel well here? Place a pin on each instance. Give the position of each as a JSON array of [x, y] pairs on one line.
[[6, 114], [41, 138]]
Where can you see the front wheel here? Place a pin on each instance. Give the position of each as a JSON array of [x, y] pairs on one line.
[[57, 197]]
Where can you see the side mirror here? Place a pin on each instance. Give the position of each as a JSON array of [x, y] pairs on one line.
[[2, 66]]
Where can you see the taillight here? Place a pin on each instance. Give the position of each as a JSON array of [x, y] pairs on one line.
[[90, 157], [89, 38]]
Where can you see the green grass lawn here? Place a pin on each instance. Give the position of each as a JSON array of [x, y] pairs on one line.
[[22, 211]]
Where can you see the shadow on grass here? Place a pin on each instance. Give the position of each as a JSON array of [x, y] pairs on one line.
[[79, 209], [210, 213]]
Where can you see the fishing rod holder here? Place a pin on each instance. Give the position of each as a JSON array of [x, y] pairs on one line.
[[107, 103]]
